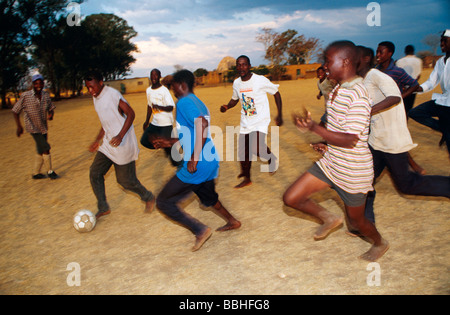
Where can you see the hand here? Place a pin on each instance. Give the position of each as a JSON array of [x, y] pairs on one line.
[[116, 141], [279, 121], [50, 115], [192, 166], [19, 131], [94, 146], [160, 142], [145, 125], [320, 147], [303, 122], [223, 108]]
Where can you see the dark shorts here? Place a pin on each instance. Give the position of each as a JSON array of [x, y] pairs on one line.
[[351, 200], [177, 190], [41, 143]]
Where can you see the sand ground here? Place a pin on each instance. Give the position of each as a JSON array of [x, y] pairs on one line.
[[130, 252]]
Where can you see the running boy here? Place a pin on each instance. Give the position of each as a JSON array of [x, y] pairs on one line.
[[346, 165], [160, 106], [119, 145], [200, 166], [251, 89]]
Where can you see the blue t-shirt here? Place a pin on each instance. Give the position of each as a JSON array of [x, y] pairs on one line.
[[189, 108]]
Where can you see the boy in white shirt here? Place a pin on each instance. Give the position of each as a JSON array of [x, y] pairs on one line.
[[160, 107], [439, 106], [119, 146], [251, 89]]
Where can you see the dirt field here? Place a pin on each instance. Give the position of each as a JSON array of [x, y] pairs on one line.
[[274, 253]]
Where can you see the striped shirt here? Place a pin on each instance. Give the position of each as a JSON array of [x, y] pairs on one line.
[[348, 111], [35, 111], [399, 75]]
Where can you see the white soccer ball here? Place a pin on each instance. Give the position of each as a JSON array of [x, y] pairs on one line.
[[84, 221]]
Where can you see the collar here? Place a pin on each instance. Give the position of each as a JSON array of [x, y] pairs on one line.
[[352, 82]]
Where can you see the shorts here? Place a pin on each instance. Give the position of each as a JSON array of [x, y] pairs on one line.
[[176, 190], [41, 143], [351, 200]]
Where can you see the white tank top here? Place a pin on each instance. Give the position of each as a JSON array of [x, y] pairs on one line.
[[107, 107]]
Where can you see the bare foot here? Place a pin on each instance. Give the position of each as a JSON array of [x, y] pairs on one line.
[[201, 239], [331, 222], [149, 205], [235, 224], [375, 252], [245, 182]]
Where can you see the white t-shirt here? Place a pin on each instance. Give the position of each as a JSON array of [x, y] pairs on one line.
[[411, 64], [107, 107], [160, 96], [388, 129], [255, 113]]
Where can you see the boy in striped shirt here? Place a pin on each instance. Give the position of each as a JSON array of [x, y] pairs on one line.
[[346, 165]]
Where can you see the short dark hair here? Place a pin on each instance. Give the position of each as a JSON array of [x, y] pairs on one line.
[[409, 50], [350, 49], [245, 57], [93, 75], [185, 76], [157, 71], [389, 45]]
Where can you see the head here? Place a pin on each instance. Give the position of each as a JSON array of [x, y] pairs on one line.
[[183, 83], [243, 67], [366, 55], [409, 50], [155, 76], [94, 83], [321, 74], [445, 42], [38, 83], [341, 60], [385, 51]]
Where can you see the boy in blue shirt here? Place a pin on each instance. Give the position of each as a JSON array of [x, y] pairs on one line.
[[200, 166]]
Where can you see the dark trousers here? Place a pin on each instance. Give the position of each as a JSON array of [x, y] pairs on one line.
[[406, 181], [165, 132], [175, 191], [254, 144], [125, 175], [424, 114]]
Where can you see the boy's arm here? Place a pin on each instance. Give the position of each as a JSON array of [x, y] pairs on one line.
[[385, 104], [279, 103], [345, 140], [94, 146], [129, 112], [201, 127], [230, 104], [19, 130]]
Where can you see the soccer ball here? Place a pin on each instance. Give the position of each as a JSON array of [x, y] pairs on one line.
[[84, 221]]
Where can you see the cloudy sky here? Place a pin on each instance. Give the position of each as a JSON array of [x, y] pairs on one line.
[[199, 33]]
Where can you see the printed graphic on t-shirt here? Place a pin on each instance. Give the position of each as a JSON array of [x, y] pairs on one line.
[[157, 100], [248, 104]]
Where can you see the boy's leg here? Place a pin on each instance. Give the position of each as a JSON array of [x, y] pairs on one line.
[[378, 167], [424, 114], [368, 230], [97, 172], [208, 196], [297, 197], [263, 150], [126, 177], [173, 192], [244, 159]]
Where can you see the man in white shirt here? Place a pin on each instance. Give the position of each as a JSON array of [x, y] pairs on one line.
[[439, 106], [413, 67], [160, 108], [116, 144], [251, 89], [389, 137]]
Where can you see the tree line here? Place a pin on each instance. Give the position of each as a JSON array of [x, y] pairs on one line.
[[36, 34]]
